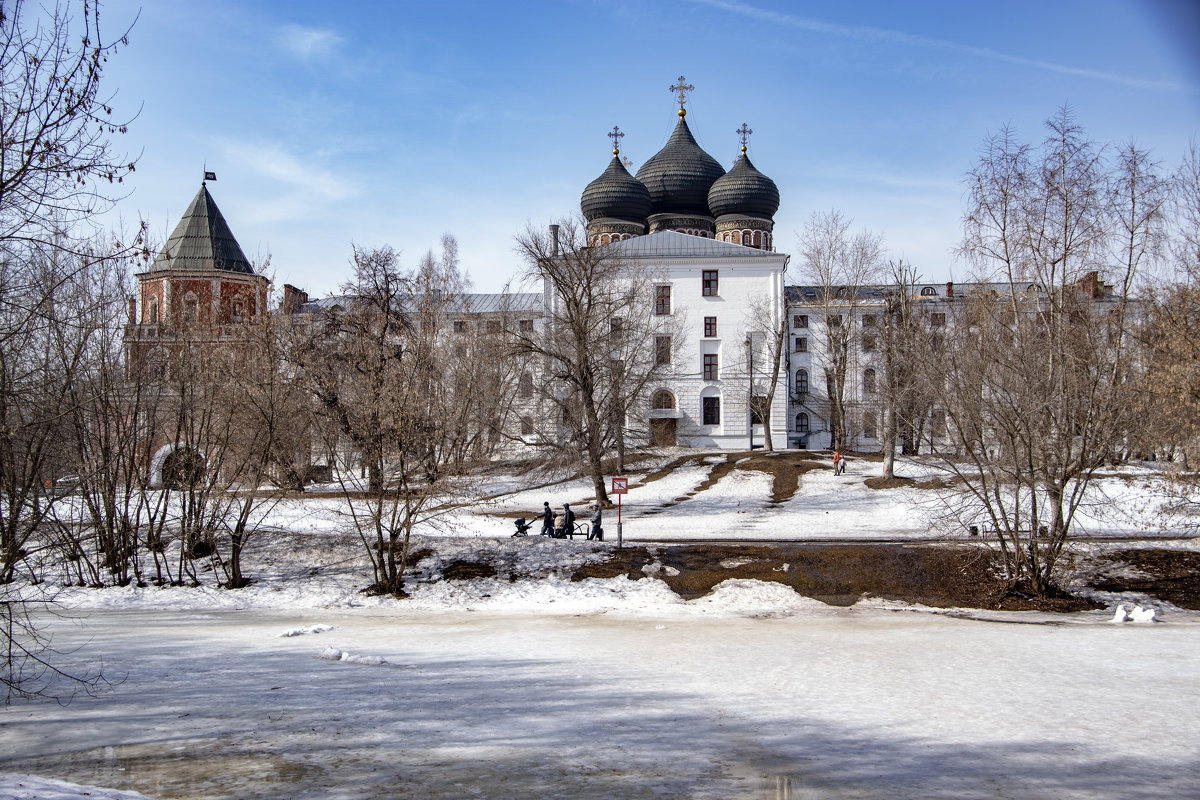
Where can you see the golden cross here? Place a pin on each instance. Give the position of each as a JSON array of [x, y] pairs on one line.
[[683, 89], [744, 132], [616, 135]]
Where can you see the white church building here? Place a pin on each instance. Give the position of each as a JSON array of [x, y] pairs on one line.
[[706, 237]]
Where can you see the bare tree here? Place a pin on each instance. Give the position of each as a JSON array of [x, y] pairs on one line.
[[1037, 378], [600, 347], [838, 263], [904, 395], [57, 167], [766, 340], [378, 364]]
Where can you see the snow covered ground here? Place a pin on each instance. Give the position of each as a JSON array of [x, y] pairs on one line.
[[528, 684], [753, 692]]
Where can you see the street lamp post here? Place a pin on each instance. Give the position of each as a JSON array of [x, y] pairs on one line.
[[750, 385]]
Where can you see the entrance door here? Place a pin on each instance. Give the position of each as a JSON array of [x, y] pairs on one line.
[[662, 432]]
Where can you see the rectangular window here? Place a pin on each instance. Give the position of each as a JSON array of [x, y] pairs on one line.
[[662, 300], [711, 414], [800, 320], [616, 327], [710, 366], [460, 326], [868, 425], [493, 326], [525, 325], [938, 320], [662, 350], [868, 342], [868, 321], [708, 283], [525, 385], [801, 344], [834, 320], [526, 426], [710, 327]]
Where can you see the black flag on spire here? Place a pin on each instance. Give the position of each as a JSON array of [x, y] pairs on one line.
[[210, 176]]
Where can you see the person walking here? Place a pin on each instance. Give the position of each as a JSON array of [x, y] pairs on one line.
[[568, 520], [547, 520], [597, 529], [837, 463]]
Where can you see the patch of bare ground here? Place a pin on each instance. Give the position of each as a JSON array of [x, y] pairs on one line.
[[1170, 575], [879, 482], [718, 471], [785, 469], [939, 576], [467, 570]]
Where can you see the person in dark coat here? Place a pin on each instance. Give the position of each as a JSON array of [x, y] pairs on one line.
[[597, 530], [569, 519], [547, 520]]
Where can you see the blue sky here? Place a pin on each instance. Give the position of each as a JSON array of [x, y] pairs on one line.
[[392, 122]]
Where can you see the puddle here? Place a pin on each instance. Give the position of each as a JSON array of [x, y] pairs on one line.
[[197, 770]]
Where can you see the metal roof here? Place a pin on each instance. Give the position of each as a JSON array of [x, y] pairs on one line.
[[672, 244], [202, 241], [471, 303]]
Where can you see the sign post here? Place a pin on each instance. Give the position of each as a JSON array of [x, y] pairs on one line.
[[620, 486]]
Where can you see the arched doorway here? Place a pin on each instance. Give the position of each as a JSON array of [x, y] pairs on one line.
[[183, 467], [662, 419], [177, 465]]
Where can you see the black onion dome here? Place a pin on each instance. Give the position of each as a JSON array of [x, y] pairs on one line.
[[617, 195], [744, 190], [680, 175]]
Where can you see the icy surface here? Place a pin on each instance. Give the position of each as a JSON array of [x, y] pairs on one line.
[[531, 684]]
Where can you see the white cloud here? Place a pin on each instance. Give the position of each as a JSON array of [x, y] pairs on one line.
[[309, 43], [868, 33]]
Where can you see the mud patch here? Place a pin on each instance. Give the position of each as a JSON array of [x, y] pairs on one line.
[[940, 576], [1170, 575], [785, 469]]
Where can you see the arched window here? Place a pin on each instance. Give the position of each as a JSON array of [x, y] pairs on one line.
[[868, 422], [929, 291], [802, 422], [746, 238], [154, 311], [869, 381], [238, 310], [191, 307], [662, 399], [525, 386], [757, 238], [801, 381]]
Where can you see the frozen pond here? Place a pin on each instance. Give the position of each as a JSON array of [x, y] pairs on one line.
[[861, 702]]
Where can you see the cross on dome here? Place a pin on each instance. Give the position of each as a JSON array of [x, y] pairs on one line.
[[616, 135], [744, 132], [683, 89]]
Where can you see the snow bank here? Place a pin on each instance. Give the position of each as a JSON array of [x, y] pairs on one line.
[[29, 787]]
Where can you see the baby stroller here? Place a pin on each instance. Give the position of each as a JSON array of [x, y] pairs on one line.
[[522, 527]]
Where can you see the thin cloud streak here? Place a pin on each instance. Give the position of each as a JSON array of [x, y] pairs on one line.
[[899, 37], [309, 43]]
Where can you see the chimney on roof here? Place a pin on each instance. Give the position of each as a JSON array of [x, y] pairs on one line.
[[949, 288], [1090, 284], [133, 311], [554, 241], [293, 298]]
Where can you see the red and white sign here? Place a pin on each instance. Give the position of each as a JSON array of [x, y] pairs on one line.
[[620, 485]]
